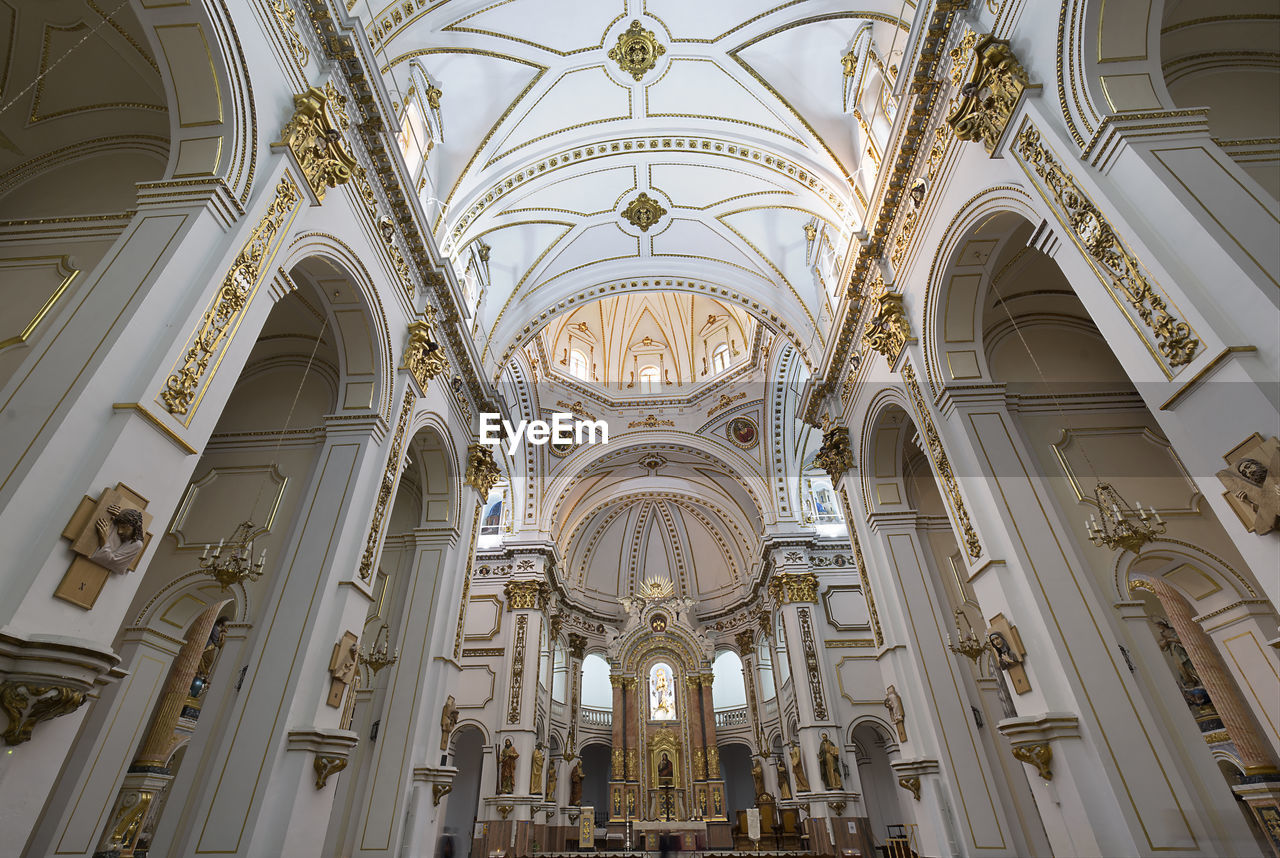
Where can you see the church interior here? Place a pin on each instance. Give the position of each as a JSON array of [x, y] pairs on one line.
[[885, 403]]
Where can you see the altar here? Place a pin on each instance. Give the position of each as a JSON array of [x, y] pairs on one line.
[[692, 834]]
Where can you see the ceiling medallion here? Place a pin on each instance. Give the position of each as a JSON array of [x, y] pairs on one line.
[[643, 212], [637, 51], [742, 432]]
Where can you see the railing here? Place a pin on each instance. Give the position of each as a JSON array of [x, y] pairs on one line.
[[726, 718], [597, 717]]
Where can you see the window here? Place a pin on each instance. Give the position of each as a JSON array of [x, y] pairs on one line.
[[720, 359], [649, 380], [578, 364], [413, 136]]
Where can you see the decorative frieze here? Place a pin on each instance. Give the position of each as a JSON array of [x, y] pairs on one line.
[[387, 488], [182, 389], [313, 137], [1093, 233], [942, 465], [788, 587], [888, 329], [517, 669], [482, 469], [988, 99], [812, 668]]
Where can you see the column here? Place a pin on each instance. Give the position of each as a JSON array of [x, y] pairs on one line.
[[271, 754], [618, 772], [1032, 572]]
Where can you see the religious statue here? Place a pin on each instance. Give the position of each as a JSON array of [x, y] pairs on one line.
[[797, 768], [1188, 677], [757, 775], [893, 702], [535, 774], [120, 537], [1254, 485], [1005, 656], [553, 777], [575, 784], [784, 785], [448, 720], [662, 704], [217, 636], [829, 764], [507, 768], [342, 667]]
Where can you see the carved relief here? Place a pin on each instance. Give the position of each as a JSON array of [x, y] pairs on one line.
[[988, 99], [1038, 754], [517, 669], [811, 667], [887, 329], [424, 357], [315, 141], [326, 766], [911, 783], [786, 588], [835, 456], [26, 704], [526, 595], [482, 469], [1253, 483]]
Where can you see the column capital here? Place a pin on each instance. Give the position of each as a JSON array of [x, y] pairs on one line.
[[482, 469], [527, 595], [789, 587], [577, 645]]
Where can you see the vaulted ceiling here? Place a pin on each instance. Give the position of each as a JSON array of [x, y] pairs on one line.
[[712, 170]]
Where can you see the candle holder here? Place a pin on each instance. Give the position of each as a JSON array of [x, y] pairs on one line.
[[379, 654], [970, 645], [236, 566], [1122, 526]]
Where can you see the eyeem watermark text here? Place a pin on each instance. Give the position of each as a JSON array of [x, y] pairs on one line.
[[563, 428]]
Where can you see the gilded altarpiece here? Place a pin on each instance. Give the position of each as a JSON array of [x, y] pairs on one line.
[[666, 765]]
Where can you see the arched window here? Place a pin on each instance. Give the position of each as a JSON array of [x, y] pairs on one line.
[[413, 135], [597, 692], [649, 380], [728, 687], [578, 364], [720, 358]]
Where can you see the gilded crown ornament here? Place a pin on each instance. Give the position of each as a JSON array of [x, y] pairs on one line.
[[637, 51], [643, 212]]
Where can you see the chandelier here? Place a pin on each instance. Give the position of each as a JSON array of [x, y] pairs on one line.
[[380, 655], [237, 565], [1121, 525], [969, 645]]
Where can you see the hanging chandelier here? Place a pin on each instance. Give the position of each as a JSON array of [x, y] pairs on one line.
[[970, 645], [380, 655], [1122, 526], [232, 563]]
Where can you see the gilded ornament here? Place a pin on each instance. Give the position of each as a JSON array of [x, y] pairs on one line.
[[990, 96], [655, 588], [131, 815], [27, 704], [650, 422], [643, 212], [424, 357], [619, 764], [326, 766], [526, 595], [577, 645], [942, 465], [1038, 754], [911, 783], [1175, 339], [517, 670], [286, 17], [637, 51], [812, 668], [387, 229], [439, 791], [888, 329], [835, 456], [788, 587], [482, 469], [746, 642], [317, 144], [386, 489], [181, 388]]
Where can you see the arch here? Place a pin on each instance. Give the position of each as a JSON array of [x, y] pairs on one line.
[[887, 428], [1216, 582], [184, 598], [434, 470]]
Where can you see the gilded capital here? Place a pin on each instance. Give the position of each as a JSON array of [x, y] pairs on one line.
[[315, 141], [746, 642], [789, 587], [835, 456], [482, 468], [888, 329], [526, 595], [577, 645], [423, 355], [988, 99]]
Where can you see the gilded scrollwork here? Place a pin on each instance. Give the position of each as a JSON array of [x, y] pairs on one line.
[[888, 329], [942, 465], [482, 469], [517, 669], [835, 456], [788, 587], [424, 357], [316, 142], [326, 766], [911, 783], [526, 595], [27, 704], [1091, 230], [439, 791], [811, 664], [182, 387], [387, 488], [987, 100], [643, 212], [1038, 754], [287, 18]]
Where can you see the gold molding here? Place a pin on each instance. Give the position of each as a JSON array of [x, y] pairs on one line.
[[1204, 371], [387, 488], [157, 423], [62, 265], [637, 51]]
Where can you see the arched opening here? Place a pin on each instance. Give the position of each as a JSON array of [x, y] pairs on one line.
[[739, 786], [596, 758], [467, 755], [875, 747], [728, 688], [650, 381]]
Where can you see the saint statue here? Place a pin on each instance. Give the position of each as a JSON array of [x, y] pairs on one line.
[[535, 774], [448, 720], [757, 775], [1172, 644], [1005, 656], [784, 785], [575, 784], [893, 702], [797, 768], [553, 777], [829, 764], [662, 703], [120, 537], [217, 636], [507, 768]]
